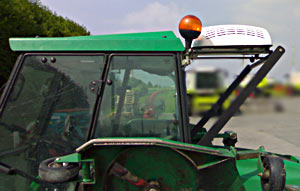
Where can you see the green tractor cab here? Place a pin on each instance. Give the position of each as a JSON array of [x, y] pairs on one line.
[[109, 112]]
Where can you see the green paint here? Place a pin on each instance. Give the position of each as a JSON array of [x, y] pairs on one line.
[[151, 41], [174, 169], [34, 186], [175, 165], [248, 172], [154, 163], [249, 169], [86, 172], [74, 157], [292, 172]]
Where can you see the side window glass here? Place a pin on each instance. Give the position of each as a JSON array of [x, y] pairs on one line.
[[141, 100], [48, 112]]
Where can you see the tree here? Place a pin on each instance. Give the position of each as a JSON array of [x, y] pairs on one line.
[[22, 18]]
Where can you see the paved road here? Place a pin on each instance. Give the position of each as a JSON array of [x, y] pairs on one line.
[[261, 125]]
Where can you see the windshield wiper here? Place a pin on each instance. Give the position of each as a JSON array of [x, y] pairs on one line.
[[6, 169], [13, 151], [2, 87]]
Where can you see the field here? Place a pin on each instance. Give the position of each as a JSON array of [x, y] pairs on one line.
[[261, 125]]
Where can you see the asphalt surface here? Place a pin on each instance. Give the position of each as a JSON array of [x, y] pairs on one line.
[[261, 124]]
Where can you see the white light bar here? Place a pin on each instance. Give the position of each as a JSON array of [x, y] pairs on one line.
[[232, 35]]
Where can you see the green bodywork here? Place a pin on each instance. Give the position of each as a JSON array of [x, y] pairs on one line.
[[179, 166], [164, 152], [151, 41]]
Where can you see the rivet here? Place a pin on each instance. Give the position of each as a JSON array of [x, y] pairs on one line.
[[53, 59], [109, 82], [44, 59]]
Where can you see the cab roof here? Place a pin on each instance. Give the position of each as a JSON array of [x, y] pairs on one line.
[[148, 41]]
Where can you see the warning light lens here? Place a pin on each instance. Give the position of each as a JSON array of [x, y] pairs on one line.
[[190, 22], [190, 27]]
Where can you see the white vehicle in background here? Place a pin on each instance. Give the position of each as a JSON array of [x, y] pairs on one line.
[[204, 85], [294, 82], [230, 42]]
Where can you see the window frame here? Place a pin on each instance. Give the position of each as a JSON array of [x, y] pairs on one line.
[[184, 133], [180, 85], [20, 64]]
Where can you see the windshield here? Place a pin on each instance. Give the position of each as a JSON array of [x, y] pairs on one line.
[[207, 80], [47, 113], [140, 98]]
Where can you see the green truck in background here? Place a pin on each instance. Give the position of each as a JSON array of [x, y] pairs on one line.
[[109, 112]]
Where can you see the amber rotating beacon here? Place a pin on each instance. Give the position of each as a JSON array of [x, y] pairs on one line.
[[190, 28]]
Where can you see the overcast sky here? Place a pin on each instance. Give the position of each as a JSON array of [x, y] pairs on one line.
[[280, 17]]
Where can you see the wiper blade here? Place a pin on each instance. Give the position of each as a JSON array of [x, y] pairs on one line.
[[2, 87], [6, 169], [13, 151]]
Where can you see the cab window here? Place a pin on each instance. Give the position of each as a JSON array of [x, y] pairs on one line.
[[140, 98], [47, 113]]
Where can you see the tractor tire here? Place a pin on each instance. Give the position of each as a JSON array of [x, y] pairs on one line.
[[52, 172], [273, 178]]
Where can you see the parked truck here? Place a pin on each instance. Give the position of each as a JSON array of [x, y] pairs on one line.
[[205, 84]]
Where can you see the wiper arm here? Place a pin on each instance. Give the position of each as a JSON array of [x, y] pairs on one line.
[[6, 169], [215, 108], [261, 73], [13, 151], [2, 87]]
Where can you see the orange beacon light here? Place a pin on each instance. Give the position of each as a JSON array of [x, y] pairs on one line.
[[190, 28]]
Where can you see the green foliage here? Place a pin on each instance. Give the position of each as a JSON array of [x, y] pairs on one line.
[[21, 18]]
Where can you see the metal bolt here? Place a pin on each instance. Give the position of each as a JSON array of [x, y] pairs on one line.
[[53, 59], [109, 82], [94, 82], [92, 89], [266, 174], [233, 135], [44, 59]]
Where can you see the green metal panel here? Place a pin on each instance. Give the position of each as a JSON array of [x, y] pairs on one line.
[[173, 169], [248, 170], [150, 41], [249, 173], [292, 172]]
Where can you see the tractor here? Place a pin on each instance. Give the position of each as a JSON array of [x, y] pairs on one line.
[[109, 113]]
